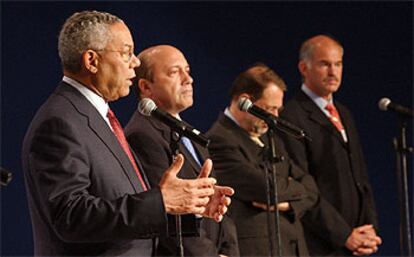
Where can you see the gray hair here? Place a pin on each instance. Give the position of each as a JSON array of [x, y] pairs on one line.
[[82, 31]]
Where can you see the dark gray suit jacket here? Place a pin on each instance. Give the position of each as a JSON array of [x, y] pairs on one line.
[[152, 139], [240, 163], [339, 170], [84, 195]]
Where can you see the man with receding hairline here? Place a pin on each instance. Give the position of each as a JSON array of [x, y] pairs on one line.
[[334, 157], [164, 76]]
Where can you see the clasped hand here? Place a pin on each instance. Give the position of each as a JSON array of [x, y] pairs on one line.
[[197, 196], [363, 240]]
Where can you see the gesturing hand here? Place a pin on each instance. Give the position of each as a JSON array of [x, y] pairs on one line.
[[217, 205], [183, 196]]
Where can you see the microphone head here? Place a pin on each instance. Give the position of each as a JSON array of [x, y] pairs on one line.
[[146, 106], [383, 103], [244, 104]]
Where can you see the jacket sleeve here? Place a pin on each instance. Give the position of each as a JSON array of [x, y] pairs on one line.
[[234, 168], [323, 219], [60, 175], [228, 243], [155, 159]]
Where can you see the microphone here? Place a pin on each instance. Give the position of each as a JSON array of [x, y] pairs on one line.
[[385, 104], [273, 121], [5, 176], [147, 107]]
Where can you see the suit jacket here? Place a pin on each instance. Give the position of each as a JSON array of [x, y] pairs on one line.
[[239, 163], [152, 140], [84, 195], [340, 173]]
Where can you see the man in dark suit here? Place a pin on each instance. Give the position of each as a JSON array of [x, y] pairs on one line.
[[164, 76], [87, 194], [239, 148], [334, 157]]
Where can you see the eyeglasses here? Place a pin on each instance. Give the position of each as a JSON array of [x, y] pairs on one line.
[[125, 55]]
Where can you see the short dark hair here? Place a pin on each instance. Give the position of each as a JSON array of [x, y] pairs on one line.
[[254, 80]]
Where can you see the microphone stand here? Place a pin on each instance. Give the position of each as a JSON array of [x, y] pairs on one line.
[[175, 138], [271, 173], [401, 150]]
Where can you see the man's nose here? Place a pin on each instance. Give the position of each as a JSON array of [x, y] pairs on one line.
[[187, 78], [135, 62]]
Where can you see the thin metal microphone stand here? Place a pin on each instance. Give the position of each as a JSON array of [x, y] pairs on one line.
[[401, 151], [273, 159], [271, 172], [174, 139]]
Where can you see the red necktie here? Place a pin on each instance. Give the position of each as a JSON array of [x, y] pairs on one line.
[[335, 119], [119, 133]]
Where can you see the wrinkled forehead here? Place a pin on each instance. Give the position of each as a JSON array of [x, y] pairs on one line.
[[121, 36]]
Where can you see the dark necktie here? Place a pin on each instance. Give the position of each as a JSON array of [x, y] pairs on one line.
[[119, 133], [335, 119]]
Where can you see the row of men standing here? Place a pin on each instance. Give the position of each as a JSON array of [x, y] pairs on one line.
[[89, 194]]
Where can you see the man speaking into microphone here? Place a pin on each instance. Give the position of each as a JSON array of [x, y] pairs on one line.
[[238, 148], [164, 77]]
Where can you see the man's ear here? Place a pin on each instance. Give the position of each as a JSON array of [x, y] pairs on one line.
[[144, 87], [245, 96], [303, 67], [90, 61]]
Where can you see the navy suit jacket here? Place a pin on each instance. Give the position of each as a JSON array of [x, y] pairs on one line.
[[152, 140], [84, 195], [340, 173]]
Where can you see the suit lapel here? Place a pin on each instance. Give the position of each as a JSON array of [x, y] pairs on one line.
[[319, 117], [166, 134], [98, 125], [254, 151]]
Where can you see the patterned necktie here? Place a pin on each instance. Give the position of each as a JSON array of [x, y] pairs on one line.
[[119, 133], [187, 143], [335, 119]]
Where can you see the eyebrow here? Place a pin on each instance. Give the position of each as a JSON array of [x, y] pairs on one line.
[[178, 66]]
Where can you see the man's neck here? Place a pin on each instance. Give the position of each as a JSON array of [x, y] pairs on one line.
[[84, 80]]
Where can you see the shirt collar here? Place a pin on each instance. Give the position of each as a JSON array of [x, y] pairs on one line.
[[230, 116], [97, 101], [318, 100]]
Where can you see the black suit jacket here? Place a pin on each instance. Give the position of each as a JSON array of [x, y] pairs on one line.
[[239, 163], [151, 139], [84, 195], [339, 170]]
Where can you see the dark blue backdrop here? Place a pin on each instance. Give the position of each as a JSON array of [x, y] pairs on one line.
[[219, 39]]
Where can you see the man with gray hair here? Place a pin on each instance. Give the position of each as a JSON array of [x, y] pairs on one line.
[[334, 157], [88, 195]]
